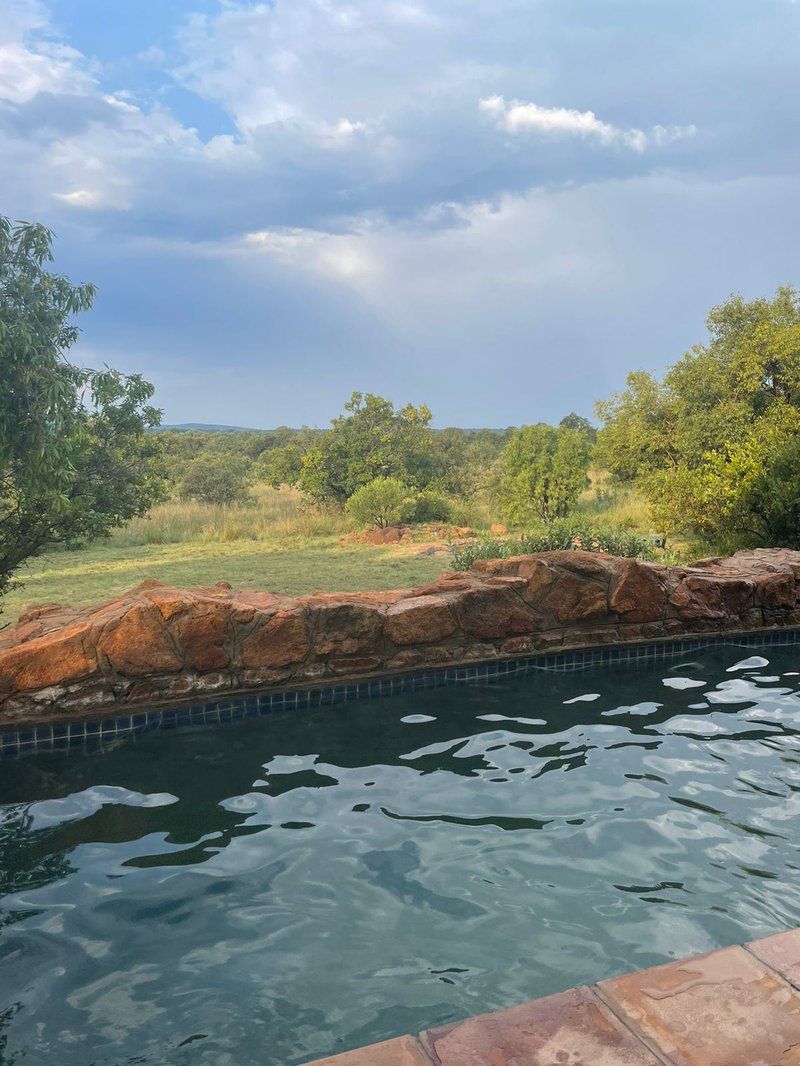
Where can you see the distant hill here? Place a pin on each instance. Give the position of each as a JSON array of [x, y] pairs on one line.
[[209, 427]]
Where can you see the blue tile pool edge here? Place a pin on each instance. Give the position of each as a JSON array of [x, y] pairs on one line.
[[94, 731]]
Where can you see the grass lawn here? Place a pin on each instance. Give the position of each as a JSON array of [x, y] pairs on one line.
[[104, 570]]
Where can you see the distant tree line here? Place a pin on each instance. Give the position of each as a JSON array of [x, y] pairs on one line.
[[374, 451]]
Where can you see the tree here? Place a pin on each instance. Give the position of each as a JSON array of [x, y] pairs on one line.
[[216, 478], [576, 421], [76, 457], [543, 472], [281, 466], [382, 502], [371, 440], [432, 506], [714, 445]]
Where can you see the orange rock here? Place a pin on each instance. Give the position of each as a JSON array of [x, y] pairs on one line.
[[494, 612], [698, 598], [573, 598], [592, 564], [345, 626], [137, 643], [202, 639], [178, 642], [637, 593], [776, 590], [169, 601], [279, 641], [61, 657], [388, 535], [419, 620]]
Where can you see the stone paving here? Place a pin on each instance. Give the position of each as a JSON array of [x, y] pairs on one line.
[[739, 1006]]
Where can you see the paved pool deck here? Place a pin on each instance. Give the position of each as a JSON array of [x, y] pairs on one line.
[[739, 1006]]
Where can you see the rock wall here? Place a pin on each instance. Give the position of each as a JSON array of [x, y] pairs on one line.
[[157, 642]]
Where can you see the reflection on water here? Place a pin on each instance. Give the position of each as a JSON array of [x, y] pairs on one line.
[[277, 890]]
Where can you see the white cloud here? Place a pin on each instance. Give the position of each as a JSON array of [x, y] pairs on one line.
[[345, 128], [301, 62], [341, 257], [519, 116], [79, 198], [52, 68]]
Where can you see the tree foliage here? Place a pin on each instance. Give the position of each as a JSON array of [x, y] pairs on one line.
[[382, 502], [575, 421], [544, 471], [217, 479], [369, 441], [430, 505], [715, 445], [76, 458]]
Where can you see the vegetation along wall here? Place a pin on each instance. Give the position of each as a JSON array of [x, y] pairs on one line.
[[157, 642]]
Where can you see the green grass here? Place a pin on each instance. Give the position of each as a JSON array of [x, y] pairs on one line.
[[105, 570]]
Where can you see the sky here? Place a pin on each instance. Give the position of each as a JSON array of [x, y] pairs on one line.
[[494, 207]]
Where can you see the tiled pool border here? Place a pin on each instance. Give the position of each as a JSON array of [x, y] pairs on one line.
[[236, 706]]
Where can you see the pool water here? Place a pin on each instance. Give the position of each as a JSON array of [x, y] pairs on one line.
[[275, 890]]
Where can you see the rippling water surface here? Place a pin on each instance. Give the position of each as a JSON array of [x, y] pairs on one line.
[[271, 891]]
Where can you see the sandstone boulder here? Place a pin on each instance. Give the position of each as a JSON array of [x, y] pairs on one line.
[[494, 612], [698, 599], [637, 592], [419, 620], [136, 642], [574, 598], [279, 639], [60, 657]]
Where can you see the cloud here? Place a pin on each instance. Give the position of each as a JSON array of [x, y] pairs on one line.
[[79, 198], [51, 68], [344, 257], [339, 195], [519, 117], [340, 114]]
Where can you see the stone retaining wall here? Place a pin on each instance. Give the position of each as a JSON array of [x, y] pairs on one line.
[[157, 643]]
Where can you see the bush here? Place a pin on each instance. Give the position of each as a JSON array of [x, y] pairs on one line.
[[564, 535], [382, 502], [215, 478], [432, 506]]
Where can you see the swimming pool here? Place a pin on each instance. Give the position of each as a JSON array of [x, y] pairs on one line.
[[280, 889]]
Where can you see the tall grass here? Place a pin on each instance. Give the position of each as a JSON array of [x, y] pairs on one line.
[[613, 505], [285, 515], [270, 515]]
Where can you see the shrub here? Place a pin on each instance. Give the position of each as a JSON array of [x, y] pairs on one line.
[[432, 506], [384, 501], [215, 478], [564, 535]]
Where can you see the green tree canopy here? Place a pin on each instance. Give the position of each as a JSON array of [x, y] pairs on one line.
[[382, 502], [216, 478], [576, 421], [76, 459], [370, 440], [544, 471], [714, 444]]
